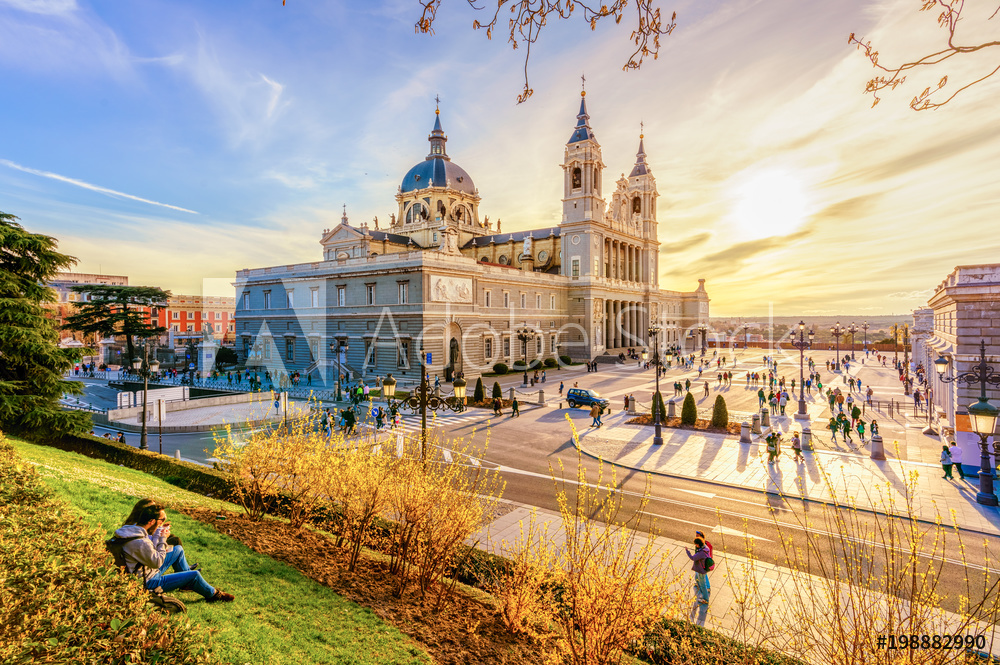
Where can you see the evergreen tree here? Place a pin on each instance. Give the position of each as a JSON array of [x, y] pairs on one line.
[[689, 412], [720, 414], [113, 311], [497, 391], [480, 392], [31, 362], [658, 405]]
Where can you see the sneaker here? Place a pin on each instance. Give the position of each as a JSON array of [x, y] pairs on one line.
[[221, 596]]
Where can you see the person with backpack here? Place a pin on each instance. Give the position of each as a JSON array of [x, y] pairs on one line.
[[702, 563], [141, 549]]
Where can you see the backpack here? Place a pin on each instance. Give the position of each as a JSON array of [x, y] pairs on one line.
[[166, 602], [116, 546], [709, 564]]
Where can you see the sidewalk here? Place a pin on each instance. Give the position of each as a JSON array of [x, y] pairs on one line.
[[722, 459], [729, 610], [227, 414]]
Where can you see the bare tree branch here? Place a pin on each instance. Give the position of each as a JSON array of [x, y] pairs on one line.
[[948, 19]]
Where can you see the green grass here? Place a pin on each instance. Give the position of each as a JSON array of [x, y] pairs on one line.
[[279, 615]]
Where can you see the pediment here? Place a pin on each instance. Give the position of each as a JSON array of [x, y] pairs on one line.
[[341, 233]]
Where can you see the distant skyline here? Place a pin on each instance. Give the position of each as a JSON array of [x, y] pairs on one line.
[[177, 142]]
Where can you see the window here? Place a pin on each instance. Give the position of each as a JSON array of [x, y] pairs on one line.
[[552, 302], [190, 327], [506, 346], [246, 300], [524, 301], [369, 294], [290, 349], [313, 348], [289, 297], [404, 292], [341, 296], [371, 358], [175, 328], [403, 354], [576, 268], [488, 348], [538, 344], [314, 297], [506, 300], [538, 301], [487, 298], [267, 348], [175, 315], [267, 300], [552, 344], [217, 316]]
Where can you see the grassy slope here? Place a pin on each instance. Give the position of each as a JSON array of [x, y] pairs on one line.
[[279, 616]]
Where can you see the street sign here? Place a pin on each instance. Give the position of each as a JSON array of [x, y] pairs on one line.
[[161, 409], [373, 412], [428, 359]]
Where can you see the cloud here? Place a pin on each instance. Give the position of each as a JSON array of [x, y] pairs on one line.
[[685, 244], [42, 6], [911, 295], [733, 257], [93, 188]]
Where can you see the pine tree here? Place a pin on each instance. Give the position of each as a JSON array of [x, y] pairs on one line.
[[720, 414], [31, 362], [497, 391], [689, 412], [658, 405], [113, 310], [480, 392]]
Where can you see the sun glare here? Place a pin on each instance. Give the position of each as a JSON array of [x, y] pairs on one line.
[[765, 203]]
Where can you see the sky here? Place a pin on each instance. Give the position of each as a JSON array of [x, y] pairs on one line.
[[179, 141]]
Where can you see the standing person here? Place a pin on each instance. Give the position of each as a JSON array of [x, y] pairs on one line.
[[625, 406], [560, 388], [145, 553], [703, 588], [515, 409], [706, 389], [772, 448], [497, 407], [861, 430], [595, 413], [956, 458], [797, 447], [760, 398], [711, 550], [783, 401], [946, 462], [833, 426]]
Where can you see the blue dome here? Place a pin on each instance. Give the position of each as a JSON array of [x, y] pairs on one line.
[[437, 172]]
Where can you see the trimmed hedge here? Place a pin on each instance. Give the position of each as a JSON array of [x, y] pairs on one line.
[[62, 600], [186, 475], [689, 412], [566, 360], [500, 368], [497, 390], [658, 405], [480, 392], [720, 413], [551, 362]]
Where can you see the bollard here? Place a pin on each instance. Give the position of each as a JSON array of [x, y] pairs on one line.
[[765, 418], [671, 409], [177, 453], [541, 397], [510, 394], [807, 438], [631, 406], [745, 433], [878, 450], [755, 427]]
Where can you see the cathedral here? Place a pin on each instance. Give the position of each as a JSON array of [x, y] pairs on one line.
[[442, 278]]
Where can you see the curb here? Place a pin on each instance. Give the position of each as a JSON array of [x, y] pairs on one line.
[[720, 483]]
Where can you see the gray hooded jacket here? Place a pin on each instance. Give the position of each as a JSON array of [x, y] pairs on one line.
[[144, 554]]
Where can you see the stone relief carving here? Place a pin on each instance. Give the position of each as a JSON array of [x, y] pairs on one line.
[[451, 289]]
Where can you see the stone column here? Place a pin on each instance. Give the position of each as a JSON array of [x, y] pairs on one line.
[[607, 324]]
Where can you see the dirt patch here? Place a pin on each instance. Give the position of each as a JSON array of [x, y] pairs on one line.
[[465, 630], [699, 424]]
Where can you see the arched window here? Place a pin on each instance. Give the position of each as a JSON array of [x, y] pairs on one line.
[[577, 178], [503, 260], [596, 181], [637, 204], [485, 259], [416, 212]]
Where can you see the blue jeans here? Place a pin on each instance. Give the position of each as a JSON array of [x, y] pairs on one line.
[[703, 587], [596, 422], [183, 578]]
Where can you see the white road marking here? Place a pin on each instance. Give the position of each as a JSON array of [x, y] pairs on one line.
[[707, 495], [727, 531]]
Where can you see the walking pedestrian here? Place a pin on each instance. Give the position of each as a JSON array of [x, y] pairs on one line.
[[497, 407], [956, 458], [797, 447], [595, 413], [560, 388], [946, 462], [515, 409], [706, 389], [703, 588]]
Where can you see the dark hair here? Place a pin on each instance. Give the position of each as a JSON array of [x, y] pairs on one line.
[[699, 542], [149, 513], [133, 517]]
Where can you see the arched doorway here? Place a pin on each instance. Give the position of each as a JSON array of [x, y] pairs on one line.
[[454, 360]]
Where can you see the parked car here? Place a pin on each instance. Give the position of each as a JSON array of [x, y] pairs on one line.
[[580, 397]]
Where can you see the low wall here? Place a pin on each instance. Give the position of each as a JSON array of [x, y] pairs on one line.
[[239, 398]]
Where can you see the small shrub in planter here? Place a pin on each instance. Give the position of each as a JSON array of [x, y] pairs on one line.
[[689, 412], [550, 362], [720, 414], [659, 406], [479, 394], [500, 368], [497, 390]]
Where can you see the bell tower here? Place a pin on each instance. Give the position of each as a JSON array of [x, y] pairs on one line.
[[641, 195], [583, 171]]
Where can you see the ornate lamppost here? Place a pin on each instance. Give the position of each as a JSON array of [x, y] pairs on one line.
[[906, 359], [983, 416], [703, 330], [802, 344], [746, 335], [336, 348], [525, 335], [422, 398], [895, 345], [837, 331], [654, 332], [852, 329], [144, 368], [865, 326]]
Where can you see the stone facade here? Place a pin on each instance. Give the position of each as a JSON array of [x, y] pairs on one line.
[[963, 312], [441, 277]]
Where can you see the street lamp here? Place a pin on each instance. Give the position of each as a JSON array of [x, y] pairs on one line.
[[853, 329], [336, 348], [906, 359], [895, 345], [865, 326], [983, 416], [143, 367], [421, 399], [746, 335], [837, 331], [654, 332], [525, 335], [802, 344], [704, 335]]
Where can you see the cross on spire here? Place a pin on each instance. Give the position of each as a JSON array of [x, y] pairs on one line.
[[583, 84], [437, 103], [641, 125]]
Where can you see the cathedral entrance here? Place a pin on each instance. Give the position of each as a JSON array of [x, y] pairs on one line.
[[454, 366]]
